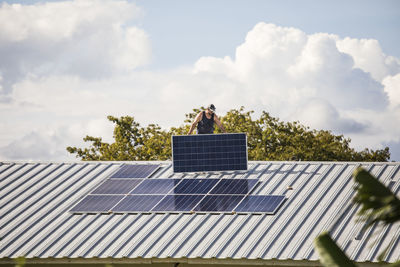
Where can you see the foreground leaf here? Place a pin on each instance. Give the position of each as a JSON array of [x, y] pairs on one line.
[[330, 255], [377, 202]]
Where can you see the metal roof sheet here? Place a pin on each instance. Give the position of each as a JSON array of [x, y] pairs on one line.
[[36, 197]]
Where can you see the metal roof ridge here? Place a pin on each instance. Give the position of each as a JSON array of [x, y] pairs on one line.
[[170, 161]]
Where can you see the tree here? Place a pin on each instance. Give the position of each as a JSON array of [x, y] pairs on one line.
[[268, 139], [132, 142]]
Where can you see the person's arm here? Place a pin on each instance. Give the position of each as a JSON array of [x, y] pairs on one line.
[[218, 122], [195, 122]]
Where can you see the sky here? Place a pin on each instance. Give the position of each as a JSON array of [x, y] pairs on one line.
[[66, 65]]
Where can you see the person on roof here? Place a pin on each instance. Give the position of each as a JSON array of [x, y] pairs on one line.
[[205, 121]]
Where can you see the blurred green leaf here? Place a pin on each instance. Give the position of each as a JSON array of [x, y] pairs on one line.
[[377, 202], [20, 262], [330, 255], [396, 264]]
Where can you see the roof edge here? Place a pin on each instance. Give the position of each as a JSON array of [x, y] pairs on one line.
[[170, 161], [197, 261]]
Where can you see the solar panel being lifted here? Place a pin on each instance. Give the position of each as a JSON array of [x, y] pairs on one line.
[[209, 152]]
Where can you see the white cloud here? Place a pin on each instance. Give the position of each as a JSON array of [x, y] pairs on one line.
[[284, 71], [88, 38], [368, 56], [268, 50], [392, 88], [322, 115], [322, 66], [319, 79], [50, 142], [283, 67], [382, 128], [34, 145]]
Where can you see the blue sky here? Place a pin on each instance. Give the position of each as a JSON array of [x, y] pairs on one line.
[[183, 31], [66, 65]]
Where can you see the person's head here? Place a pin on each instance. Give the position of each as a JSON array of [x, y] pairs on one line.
[[211, 108]]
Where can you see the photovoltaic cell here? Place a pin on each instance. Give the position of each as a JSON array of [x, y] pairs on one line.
[[156, 186], [265, 204], [234, 186], [117, 186], [178, 195], [209, 152], [95, 203], [135, 171], [178, 203], [137, 203], [219, 203], [195, 186]]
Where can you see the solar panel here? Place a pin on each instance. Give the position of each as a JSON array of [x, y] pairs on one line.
[[266, 204], [234, 186], [156, 186], [137, 203], [195, 186], [178, 203], [117, 186], [209, 152], [178, 195], [97, 203], [219, 203], [135, 171]]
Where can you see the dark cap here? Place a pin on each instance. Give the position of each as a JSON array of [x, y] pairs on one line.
[[211, 107]]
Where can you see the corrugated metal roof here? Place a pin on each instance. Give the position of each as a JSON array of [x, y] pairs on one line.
[[35, 222]]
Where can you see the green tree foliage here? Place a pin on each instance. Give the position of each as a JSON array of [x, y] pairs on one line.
[[268, 139], [132, 142]]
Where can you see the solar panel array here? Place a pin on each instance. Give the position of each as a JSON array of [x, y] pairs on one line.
[[209, 152], [128, 194]]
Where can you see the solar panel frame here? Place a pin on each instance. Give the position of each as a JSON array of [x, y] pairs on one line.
[[274, 202], [197, 186], [221, 156], [218, 203], [142, 171], [190, 201], [217, 190], [137, 204], [125, 186], [146, 187], [185, 195], [108, 202]]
